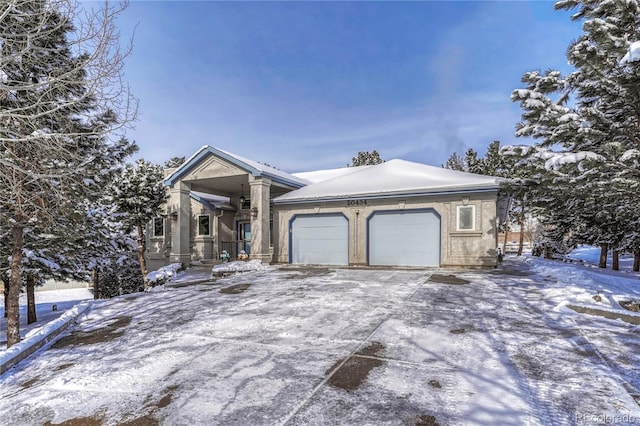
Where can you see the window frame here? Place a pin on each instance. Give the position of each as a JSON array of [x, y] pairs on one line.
[[459, 210], [154, 227]]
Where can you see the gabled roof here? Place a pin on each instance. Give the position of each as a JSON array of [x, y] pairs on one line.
[[250, 166], [390, 179]]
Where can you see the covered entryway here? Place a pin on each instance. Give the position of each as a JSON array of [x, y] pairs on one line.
[[319, 240], [404, 238]]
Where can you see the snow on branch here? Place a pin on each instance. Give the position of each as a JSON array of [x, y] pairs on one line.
[[554, 162], [632, 55]]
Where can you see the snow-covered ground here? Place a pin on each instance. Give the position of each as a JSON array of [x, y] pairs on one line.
[[346, 346], [63, 299]]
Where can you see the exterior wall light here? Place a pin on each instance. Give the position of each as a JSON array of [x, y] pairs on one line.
[[174, 215], [242, 199], [254, 212]]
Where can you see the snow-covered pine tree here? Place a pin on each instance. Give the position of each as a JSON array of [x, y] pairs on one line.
[[592, 140], [174, 162], [139, 195], [106, 244], [61, 94], [472, 163], [455, 162], [365, 158]]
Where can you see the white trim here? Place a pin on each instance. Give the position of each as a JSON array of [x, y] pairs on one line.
[[473, 217]]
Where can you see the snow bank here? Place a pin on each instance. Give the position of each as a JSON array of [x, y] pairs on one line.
[[44, 335], [241, 266], [164, 274]]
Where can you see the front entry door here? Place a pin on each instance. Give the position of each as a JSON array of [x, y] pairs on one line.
[[244, 237]]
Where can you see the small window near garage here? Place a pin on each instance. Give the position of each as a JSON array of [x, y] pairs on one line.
[[158, 227], [204, 227], [466, 218]]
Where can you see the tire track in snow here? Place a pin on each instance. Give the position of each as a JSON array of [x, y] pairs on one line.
[[361, 345], [560, 395]]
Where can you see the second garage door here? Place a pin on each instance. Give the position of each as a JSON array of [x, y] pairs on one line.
[[320, 240], [406, 238]]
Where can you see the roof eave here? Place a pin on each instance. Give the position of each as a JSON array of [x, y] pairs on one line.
[[385, 195]]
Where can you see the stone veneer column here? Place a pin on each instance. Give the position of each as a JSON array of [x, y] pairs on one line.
[[180, 202], [260, 209]]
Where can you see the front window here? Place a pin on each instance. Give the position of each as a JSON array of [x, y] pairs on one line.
[[158, 227], [466, 218], [204, 227]]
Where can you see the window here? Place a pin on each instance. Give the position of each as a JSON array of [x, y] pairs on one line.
[[466, 218], [158, 227], [204, 225]]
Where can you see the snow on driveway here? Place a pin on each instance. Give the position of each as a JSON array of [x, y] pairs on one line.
[[301, 346]]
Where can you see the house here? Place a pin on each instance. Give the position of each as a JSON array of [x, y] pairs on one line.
[[397, 213]]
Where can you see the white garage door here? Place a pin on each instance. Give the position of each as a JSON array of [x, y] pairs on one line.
[[320, 240], [407, 238]]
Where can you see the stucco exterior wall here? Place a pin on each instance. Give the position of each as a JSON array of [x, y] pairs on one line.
[[458, 248], [201, 246]]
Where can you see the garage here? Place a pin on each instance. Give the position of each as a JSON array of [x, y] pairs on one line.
[[404, 238], [319, 240]]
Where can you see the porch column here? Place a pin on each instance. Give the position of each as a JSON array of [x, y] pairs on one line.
[[260, 207], [179, 211]]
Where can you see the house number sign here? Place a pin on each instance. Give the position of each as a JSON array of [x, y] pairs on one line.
[[357, 202]]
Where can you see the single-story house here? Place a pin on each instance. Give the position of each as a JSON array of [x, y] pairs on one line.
[[397, 213]]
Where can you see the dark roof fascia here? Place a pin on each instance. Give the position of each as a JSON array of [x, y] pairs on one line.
[[384, 196]]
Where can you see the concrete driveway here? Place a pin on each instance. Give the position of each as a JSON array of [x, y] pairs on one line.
[[301, 346]]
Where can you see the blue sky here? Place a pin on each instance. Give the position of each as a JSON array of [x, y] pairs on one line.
[[306, 85]]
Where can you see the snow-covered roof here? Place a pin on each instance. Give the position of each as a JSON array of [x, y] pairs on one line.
[[253, 167], [212, 201], [391, 178], [322, 175]]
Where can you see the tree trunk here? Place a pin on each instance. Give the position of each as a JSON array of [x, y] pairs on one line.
[[6, 297], [31, 299], [96, 284], [13, 296], [141, 259], [636, 261], [615, 262], [603, 256], [506, 237], [521, 242]]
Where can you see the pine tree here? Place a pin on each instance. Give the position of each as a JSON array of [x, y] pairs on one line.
[[591, 143], [106, 245], [473, 164], [366, 158], [139, 195], [56, 110], [174, 162], [455, 162]]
